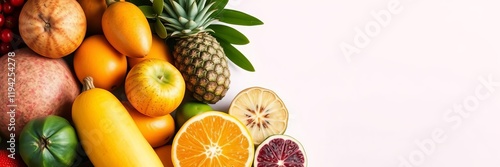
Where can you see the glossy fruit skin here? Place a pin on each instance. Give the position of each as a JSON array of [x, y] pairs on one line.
[[2, 19], [159, 50], [97, 58], [154, 87], [7, 161], [7, 8], [52, 28], [48, 141], [6, 35], [157, 130], [189, 109], [93, 10], [103, 123], [164, 152], [17, 3], [127, 29]]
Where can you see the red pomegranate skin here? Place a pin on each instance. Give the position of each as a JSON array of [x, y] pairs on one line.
[[43, 86]]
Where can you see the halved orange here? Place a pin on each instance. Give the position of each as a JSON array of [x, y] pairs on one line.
[[213, 139]]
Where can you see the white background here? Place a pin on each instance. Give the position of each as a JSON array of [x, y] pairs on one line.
[[373, 110]]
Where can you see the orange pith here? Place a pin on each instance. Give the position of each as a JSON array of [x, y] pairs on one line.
[[213, 139]]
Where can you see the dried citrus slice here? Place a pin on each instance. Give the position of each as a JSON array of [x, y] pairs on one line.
[[215, 139], [262, 111], [280, 150]]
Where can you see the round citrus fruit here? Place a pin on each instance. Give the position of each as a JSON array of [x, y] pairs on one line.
[[164, 153], [157, 130], [212, 138], [98, 59], [188, 110], [262, 111], [280, 150], [159, 50]]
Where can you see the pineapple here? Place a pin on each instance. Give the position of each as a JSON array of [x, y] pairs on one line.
[[199, 51], [203, 65]]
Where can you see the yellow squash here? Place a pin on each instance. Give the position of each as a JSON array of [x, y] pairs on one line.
[[107, 132]]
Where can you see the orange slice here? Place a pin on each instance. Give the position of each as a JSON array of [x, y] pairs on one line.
[[215, 139]]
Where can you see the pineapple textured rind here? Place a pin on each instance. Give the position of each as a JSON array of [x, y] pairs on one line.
[[203, 64]]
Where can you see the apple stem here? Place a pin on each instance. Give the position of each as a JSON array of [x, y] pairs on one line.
[[88, 83]]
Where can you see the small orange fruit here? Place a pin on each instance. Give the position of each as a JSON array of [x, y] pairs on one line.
[[98, 59], [157, 130], [164, 152], [213, 138], [93, 10], [127, 29], [159, 50]]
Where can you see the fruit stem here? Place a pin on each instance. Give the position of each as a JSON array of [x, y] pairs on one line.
[[88, 83], [44, 143]]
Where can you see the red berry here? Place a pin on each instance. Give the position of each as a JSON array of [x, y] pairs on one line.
[[6, 35], [1, 7], [11, 22], [5, 48], [8, 8], [17, 3], [2, 19]]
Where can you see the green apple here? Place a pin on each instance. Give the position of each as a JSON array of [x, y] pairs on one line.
[[189, 109]]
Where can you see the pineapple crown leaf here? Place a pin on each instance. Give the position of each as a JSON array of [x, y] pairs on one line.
[[186, 17]]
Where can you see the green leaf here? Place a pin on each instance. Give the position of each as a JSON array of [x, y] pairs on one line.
[[236, 56], [158, 6], [160, 29], [148, 11], [228, 34], [238, 18], [218, 6]]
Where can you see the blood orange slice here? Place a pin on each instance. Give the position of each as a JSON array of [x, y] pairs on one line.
[[280, 151], [262, 111]]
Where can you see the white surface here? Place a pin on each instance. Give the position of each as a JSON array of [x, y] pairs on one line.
[[373, 110]]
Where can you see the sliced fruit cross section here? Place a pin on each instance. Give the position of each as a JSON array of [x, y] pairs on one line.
[[262, 111], [215, 139], [280, 151]]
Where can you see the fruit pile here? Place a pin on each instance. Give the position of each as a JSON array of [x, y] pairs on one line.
[[131, 83]]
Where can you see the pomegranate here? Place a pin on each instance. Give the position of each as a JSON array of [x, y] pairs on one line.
[[33, 86]]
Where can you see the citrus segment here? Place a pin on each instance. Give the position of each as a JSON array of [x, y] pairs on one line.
[[214, 139], [280, 150], [262, 111]]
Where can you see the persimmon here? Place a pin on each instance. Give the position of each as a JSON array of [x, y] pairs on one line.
[[159, 50], [93, 10], [98, 59], [157, 130]]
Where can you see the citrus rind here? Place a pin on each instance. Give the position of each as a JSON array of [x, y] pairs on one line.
[[236, 149], [280, 150], [262, 112]]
